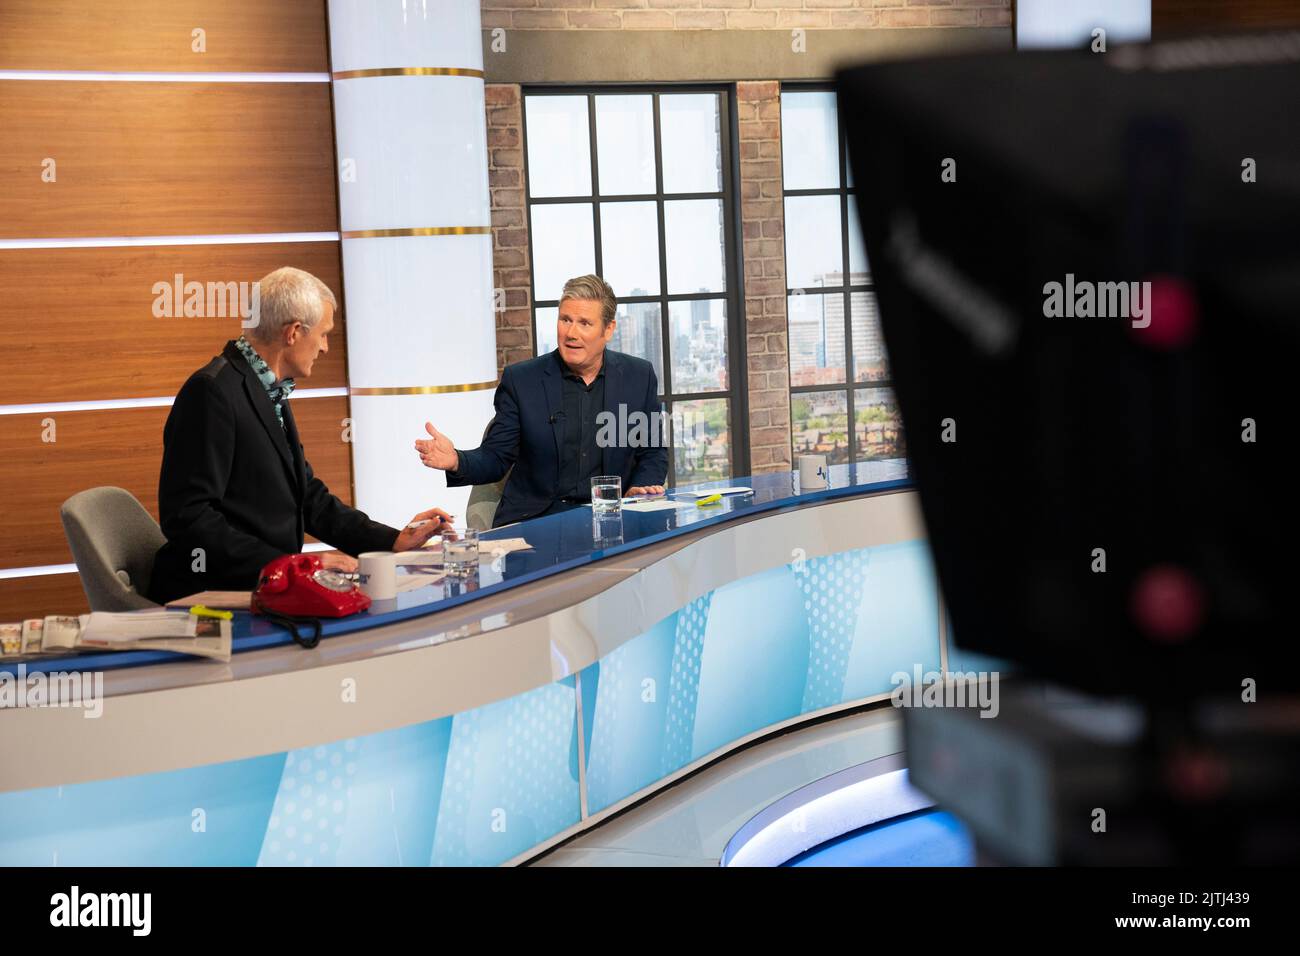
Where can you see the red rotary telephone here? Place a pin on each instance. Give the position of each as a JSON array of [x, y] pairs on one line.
[[298, 585]]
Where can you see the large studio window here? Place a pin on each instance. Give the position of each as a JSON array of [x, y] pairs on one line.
[[838, 369], [634, 184]]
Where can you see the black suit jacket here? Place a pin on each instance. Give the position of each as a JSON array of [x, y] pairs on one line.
[[527, 431], [238, 486]]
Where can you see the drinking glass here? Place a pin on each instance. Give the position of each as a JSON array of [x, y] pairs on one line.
[[607, 495]]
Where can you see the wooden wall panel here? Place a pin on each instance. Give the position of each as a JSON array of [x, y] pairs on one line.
[[156, 35], [38, 596], [1174, 17], [145, 159], [89, 314], [121, 447]]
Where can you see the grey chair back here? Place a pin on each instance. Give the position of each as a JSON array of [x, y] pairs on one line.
[[113, 540], [483, 499]]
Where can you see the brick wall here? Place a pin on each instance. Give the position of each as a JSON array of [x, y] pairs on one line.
[[510, 265], [762, 215], [742, 14]]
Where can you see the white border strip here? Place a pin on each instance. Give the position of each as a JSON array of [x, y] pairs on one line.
[[100, 76], [38, 571], [161, 401], [94, 242]]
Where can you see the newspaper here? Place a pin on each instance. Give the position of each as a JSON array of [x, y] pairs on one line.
[[176, 631]]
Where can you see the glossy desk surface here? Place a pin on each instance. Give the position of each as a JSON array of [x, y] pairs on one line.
[[560, 543]]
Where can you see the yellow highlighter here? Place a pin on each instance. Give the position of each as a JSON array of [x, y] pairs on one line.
[[199, 610], [710, 500]]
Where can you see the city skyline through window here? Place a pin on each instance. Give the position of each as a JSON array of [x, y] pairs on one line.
[[839, 372]]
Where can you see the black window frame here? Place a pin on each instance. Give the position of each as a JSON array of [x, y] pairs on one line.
[[737, 391], [847, 289]]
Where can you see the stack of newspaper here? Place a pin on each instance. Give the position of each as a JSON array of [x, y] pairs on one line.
[[177, 631]]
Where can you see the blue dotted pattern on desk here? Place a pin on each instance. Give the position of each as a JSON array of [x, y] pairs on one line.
[[832, 588], [310, 811], [683, 693], [491, 811]]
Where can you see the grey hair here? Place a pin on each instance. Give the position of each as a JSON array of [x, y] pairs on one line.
[[286, 296], [592, 288]]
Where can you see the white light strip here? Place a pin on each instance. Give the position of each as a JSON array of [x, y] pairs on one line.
[[807, 823], [158, 402], [104, 241], [107, 77], [36, 572], [44, 569]]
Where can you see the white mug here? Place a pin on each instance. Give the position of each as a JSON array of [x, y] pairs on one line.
[[378, 574], [812, 472]]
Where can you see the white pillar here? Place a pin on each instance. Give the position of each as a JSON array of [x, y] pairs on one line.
[[417, 241]]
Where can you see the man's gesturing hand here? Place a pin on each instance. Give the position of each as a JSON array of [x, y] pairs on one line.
[[437, 450]]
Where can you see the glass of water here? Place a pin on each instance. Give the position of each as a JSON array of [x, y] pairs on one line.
[[460, 553], [607, 495]]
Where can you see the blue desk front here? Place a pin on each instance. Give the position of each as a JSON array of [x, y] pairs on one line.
[[479, 724]]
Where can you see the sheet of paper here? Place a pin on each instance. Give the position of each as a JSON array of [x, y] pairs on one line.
[[735, 490], [503, 545], [657, 505], [424, 556], [107, 627], [221, 600], [412, 582]]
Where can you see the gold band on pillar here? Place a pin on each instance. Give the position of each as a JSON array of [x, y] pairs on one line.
[[408, 71], [422, 231], [424, 389]]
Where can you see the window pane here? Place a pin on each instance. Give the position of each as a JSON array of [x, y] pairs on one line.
[[630, 247], [813, 250], [563, 247], [699, 337], [625, 144], [816, 338], [559, 146], [869, 361], [546, 320], [688, 129], [639, 331], [694, 241], [702, 441], [858, 268], [848, 166], [810, 147], [878, 429], [819, 423]]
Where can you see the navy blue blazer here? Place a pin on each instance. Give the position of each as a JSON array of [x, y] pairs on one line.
[[527, 432]]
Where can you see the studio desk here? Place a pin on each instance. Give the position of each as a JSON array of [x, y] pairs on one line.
[[462, 724]]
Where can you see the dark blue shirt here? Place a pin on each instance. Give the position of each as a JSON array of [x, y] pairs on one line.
[[580, 455]]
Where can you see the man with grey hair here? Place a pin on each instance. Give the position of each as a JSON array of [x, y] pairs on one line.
[[236, 490], [562, 418]]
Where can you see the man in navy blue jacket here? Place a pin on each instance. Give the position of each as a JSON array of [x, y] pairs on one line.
[[566, 417]]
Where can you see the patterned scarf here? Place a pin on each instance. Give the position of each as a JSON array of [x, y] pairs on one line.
[[274, 390]]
